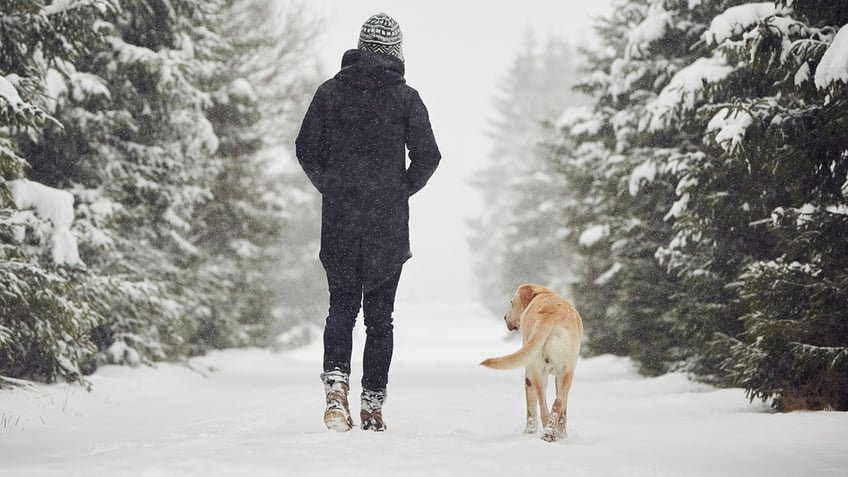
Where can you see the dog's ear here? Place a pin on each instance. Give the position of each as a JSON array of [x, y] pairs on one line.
[[526, 293]]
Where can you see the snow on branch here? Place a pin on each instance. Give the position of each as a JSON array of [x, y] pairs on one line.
[[593, 234], [16, 112], [86, 84], [54, 205], [644, 173], [9, 92], [605, 277], [58, 6], [728, 126], [63, 6], [579, 120], [736, 20], [832, 356], [652, 28], [686, 88], [833, 66], [132, 54]]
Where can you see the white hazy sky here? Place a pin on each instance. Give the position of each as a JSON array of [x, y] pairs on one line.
[[456, 54]]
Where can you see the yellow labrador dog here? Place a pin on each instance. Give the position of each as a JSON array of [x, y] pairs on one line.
[[551, 330]]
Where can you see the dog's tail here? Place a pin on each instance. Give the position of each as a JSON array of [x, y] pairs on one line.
[[529, 350]]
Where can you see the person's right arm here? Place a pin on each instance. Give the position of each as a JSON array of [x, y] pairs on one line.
[[424, 155]]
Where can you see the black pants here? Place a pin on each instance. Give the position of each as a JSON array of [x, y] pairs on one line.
[[377, 307]]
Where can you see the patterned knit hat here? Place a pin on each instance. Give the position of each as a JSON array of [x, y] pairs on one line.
[[381, 34]]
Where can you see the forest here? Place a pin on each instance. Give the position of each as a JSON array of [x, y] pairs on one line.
[[695, 201], [686, 184], [144, 214]]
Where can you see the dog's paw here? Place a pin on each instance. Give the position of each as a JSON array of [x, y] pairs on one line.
[[532, 426], [560, 432], [550, 435]]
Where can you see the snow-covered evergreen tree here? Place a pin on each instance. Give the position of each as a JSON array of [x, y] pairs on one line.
[[156, 116], [44, 331], [617, 189], [137, 150], [257, 106], [788, 132], [717, 134], [518, 233]]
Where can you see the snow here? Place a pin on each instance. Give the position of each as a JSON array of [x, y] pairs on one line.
[[257, 413], [86, 84], [171, 217], [803, 74], [120, 352], [652, 28], [58, 6], [183, 244], [624, 74], [838, 209], [833, 66], [677, 207], [579, 120], [605, 277], [592, 234], [54, 205], [54, 85], [729, 127], [9, 92], [244, 248], [645, 172], [805, 214], [685, 89], [242, 88], [254, 412], [735, 20], [133, 54]]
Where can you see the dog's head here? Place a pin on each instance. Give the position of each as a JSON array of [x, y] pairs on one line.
[[520, 301]]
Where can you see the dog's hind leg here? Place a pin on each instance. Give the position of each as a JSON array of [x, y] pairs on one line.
[[563, 388], [555, 425]]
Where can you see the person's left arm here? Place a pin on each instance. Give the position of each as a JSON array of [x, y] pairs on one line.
[[311, 143]]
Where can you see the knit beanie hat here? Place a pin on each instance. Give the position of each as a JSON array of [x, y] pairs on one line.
[[381, 34]]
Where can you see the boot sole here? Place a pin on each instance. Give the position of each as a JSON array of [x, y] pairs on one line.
[[337, 421]]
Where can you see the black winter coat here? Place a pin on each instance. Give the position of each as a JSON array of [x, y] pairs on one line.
[[352, 145]]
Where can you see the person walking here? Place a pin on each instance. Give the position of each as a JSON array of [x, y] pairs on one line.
[[353, 147]]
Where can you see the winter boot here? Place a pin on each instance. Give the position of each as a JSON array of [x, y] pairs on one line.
[[371, 413], [337, 415]]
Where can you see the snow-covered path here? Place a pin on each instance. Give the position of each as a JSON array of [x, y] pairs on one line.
[[257, 413]]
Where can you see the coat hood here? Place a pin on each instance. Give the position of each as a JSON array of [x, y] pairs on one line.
[[368, 70]]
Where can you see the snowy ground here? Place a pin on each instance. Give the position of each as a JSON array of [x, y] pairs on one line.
[[256, 413]]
